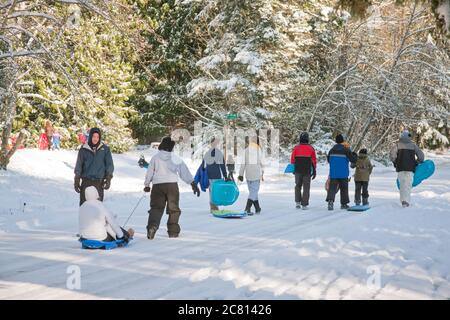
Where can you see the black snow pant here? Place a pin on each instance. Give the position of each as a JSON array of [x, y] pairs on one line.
[[364, 185], [302, 181], [343, 187], [162, 195], [88, 183]]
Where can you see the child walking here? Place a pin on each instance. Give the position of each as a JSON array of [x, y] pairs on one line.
[[362, 174]]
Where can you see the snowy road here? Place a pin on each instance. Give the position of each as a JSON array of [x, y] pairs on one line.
[[282, 254]]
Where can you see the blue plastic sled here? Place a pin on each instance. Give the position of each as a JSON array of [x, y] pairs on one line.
[[359, 208], [224, 193], [106, 245], [228, 214], [290, 168], [423, 171]]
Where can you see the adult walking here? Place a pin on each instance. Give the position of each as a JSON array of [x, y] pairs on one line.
[[94, 166], [215, 168], [339, 158], [405, 155], [304, 158]]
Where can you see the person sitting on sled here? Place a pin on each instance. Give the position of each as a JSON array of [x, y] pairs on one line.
[[163, 171], [97, 223], [253, 167], [362, 174]]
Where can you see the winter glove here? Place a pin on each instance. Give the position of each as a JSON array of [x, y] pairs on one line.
[[107, 182], [195, 189], [147, 189], [142, 163], [230, 176], [313, 176], [76, 184], [241, 178]]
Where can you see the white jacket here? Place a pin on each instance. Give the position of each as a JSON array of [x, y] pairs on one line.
[[95, 221], [165, 167], [252, 163]]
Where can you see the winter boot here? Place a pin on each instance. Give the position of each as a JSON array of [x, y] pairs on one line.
[[405, 204], [173, 235], [330, 205], [151, 233], [304, 207], [257, 207], [298, 205], [344, 206], [248, 207], [365, 201], [357, 203], [213, 207]]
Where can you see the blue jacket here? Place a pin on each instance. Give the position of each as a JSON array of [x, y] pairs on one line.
[[215, 164], [202, 177], [339, 158]]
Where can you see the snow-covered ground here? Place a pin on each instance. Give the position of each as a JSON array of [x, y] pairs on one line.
[[282, 254]]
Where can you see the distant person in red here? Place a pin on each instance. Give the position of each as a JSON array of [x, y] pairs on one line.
[[49, 130], [43, 141], [304, 158], [81, 137]]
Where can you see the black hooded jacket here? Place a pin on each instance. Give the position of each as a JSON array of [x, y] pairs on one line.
[[94, 161]]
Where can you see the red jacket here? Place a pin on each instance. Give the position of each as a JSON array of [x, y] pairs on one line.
[[304, 156]]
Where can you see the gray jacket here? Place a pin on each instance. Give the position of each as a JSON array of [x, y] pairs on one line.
[[165, 167], [404, 153]]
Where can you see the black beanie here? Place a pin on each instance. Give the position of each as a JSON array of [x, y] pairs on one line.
[[91, 133], [339, 138], [166, 144], [304, 137], [363, 151]]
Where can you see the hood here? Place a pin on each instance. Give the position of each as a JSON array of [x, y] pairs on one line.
[[405, 137], [165, 155], [91, 133], [91, 193]]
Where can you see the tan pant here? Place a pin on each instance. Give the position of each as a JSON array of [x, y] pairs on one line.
[[405, 178]]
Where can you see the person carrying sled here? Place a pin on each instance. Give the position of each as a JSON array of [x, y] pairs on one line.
[[405, 155], [94, 166], [163, 171], [214, 162], [252, 166], [97, 223], [362, 174], [304, 158], [339, 158]]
